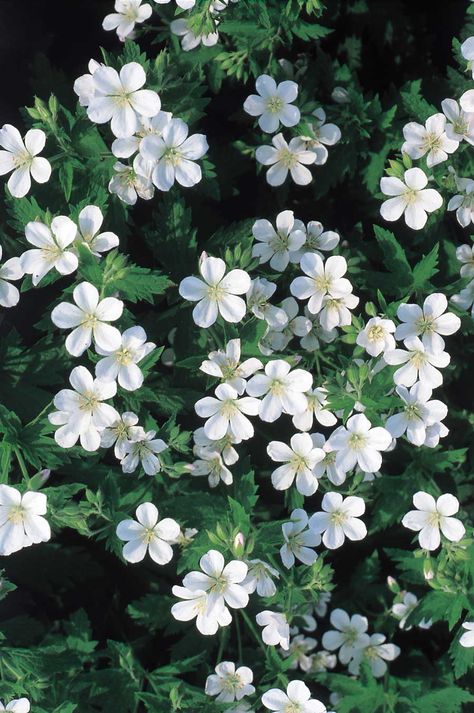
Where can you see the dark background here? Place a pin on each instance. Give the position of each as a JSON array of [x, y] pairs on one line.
[[69, 32]]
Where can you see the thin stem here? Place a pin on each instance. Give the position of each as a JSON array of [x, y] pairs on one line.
[[43, 411], [239, 637], [222, 642], [254, 632], [22, 464]]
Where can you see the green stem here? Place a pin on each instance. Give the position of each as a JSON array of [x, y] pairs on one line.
[[253, 630], [41, 413], [239, 637], [22, 464], [222, 642]]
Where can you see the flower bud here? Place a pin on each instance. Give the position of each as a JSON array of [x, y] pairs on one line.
[[340, 95]]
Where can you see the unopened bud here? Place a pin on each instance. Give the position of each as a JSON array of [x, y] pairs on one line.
[[340, 95], [239, 543]]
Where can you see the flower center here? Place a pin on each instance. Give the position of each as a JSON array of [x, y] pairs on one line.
[[148, 535], [215, 292], [322, 283], [411, 196], [220, 584], [412, 412], [172, 156], [426, 324], [330, 458], [287, 158], [88, 401], [375, 334], [277, 387], [432, 141], [124, 357], [351, 635], [231, 683], [292, 708], [90, 321], [279, 243], [15, 514], [418, 359], [434, 519], [357, 441], [23, 158], [275, 105], [338, 517], [298, 462], [228, 408]]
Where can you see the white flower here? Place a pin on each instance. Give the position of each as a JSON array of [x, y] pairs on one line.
[[316, 409], [322, 135], [321, 607], [225, 413], [462, 123], [300, 650], [21, 519], [189, 40], [322, 278], [16, 705], [130, 182], [376, 337], [90, 222], [359, 444], [434, 433], [429, 139], [228, 683], [339, 520], [418, 413], [336, 311], [467, 51], [300, 459], [431, 516], [10, 270], [297, 698], [376, 653], [84, 85], [402, 610], [428, 322], [89, 318], [258, 295], [310, 341], [349, 636], [298, 540], [148, 535], [278, 246], [283, 390], [465, 255], [465, 298], [226, 366], [411, 198], [221, 582], [173, 155], [51, 248], [216, 293], [209, 614], [183, 4], [124, 148], [467, 639], [276, 631], [224, 446], [317, 239], [210, 463], [467, 101], [143, 448], [463, 203], [121, 364], [273, 103], [22, 158], [82, 414], [284, 157], [127, 13], [321, 661], [259, 578], [418, 363], [119, 98], [119, 433]]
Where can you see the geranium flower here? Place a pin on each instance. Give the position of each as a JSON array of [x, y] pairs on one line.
[[431, 516], [21, 158], [216, 293], [148, 534], [127, 14], [297, 698], [339, 519], [21, 521], [120, 99], [51, 248], [229, 683], [410, 197], [89, 318], [284, 158], [300, 459], [273, 103]]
